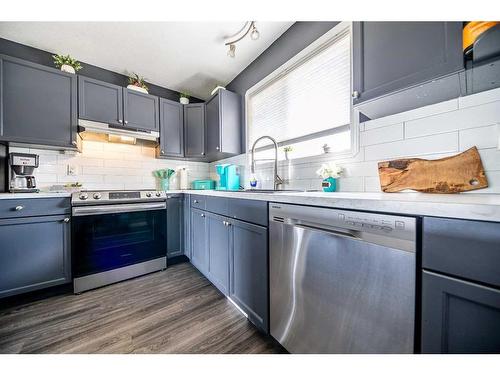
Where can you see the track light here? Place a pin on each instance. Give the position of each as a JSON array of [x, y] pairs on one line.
[[254, 35], [249, 27], [232, 50]]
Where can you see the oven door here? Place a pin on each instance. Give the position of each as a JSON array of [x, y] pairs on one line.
[[107, 237]]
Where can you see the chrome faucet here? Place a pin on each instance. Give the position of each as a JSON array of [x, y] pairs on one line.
[[278, 181]]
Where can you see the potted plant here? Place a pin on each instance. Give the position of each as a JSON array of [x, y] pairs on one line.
[[184, 98], [137, 83], [66, 63], [330, 172], [287, 150]]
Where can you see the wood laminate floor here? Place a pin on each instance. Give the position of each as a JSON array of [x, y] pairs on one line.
[[174, 311]]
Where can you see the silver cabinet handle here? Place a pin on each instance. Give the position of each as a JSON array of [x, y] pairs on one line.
[[355, 94], [224, 222], [73, 143], [202, 215], [66, 220], [120, 121], [195, 201], [162, 151], [203, 153], [126, 122], [19, 208], [217, 148]]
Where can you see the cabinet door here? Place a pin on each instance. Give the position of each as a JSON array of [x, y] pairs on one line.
[[459, 316], [194, 130], [218, 250], [174, 227], [249, 272], [199, 247], [100, 101], [223, 125], [140, 110], [187, 226], [171, 129], [213, 127], [390, 56], [35, 253], [37, 104]]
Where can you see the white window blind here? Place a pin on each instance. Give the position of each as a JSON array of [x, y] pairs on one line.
[[310, 97]]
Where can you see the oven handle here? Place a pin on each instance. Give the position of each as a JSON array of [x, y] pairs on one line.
[[117, 208]]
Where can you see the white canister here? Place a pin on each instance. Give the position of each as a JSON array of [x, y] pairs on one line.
[[175, 181], [183, 178]]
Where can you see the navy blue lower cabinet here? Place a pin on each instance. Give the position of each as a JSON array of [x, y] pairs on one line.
[[218, 251], [175, 213], [249, 272], [34, 253], [199, 247], [459, 316]]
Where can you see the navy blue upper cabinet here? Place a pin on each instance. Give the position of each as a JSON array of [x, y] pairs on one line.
[[140, 110], [392, 56], [37, 104], [194, 131], [100, 101], [171, 129], [223, 125]]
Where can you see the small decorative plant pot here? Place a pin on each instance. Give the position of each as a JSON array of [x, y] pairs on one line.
[[184, 100], [137, 88], [329, 184], [68, 69], [164, 184]]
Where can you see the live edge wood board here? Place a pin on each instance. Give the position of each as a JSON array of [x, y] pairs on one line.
[[454, 174]]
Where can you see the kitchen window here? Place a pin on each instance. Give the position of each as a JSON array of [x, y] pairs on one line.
[[306, 103]]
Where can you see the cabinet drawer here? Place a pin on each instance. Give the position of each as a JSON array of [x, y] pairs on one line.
[[198, 201], [468, 249], [249, 210], [218, 205], [12, 208]]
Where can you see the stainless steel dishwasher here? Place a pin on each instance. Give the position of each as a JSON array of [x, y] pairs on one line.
[[341, 281]]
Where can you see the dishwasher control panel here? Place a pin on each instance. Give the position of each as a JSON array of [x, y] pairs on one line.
[[376, 223]]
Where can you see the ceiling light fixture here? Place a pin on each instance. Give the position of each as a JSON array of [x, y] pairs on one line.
[[254, 35]]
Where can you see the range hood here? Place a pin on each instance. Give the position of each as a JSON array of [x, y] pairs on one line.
[[92, 130]]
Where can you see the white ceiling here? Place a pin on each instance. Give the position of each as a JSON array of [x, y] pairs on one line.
[[182, 56]]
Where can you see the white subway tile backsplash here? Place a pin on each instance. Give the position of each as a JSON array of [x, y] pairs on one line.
[[479, 98], [440, 143], [372, 184], [429, 110], [491, 159], [472, 117], [382, 135], [483, 137]]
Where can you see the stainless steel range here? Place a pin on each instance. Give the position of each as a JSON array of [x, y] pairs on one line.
[[117, 235]]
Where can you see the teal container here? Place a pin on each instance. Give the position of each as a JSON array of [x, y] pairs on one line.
[[229, 177], [329, 184], [164, 184], [203, 185]]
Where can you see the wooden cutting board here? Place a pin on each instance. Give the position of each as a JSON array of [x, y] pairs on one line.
[[454, 174]]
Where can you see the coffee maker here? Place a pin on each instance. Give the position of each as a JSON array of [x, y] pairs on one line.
[[22, 166]]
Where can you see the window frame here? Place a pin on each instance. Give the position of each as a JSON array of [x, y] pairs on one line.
[[312, 49]]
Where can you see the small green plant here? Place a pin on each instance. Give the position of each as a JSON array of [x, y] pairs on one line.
[[60, 60], [136, 80], [288, 149], [184, 95]]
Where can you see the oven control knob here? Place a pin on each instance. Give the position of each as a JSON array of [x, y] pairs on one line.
[[158, 194], [148, 194], [83, 196], [97, 196]]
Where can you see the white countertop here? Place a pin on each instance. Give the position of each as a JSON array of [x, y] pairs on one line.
[[485, 207]]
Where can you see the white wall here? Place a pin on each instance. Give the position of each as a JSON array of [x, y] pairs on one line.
[[103, 166], [430, 132]]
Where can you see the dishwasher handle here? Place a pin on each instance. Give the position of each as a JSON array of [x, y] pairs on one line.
[[327, 229]]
